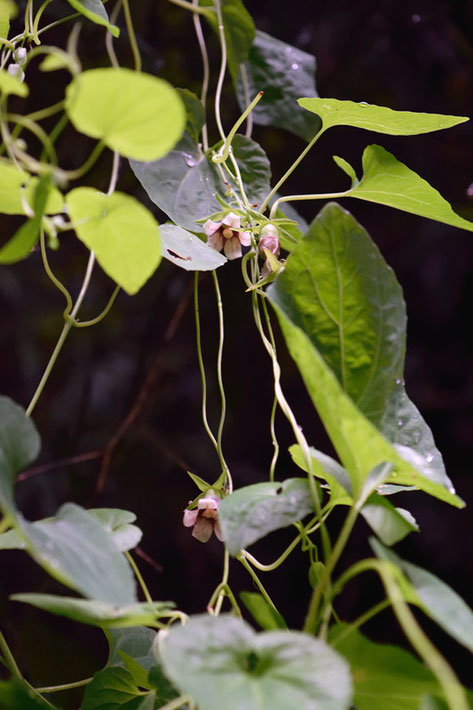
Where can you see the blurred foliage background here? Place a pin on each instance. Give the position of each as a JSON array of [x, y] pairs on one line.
[[122, 407]]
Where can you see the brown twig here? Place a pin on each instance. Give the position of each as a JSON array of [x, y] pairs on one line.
[[89, 456], [144, 556]]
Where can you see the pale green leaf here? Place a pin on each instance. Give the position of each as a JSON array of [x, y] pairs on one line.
[[262, 612], [136, 114], [379, 119], [19, 446], [96, 613], [11, 180], [385, 676], [95, 11], [8, 10], [183, 184], [60, 60], [437, 599], [222, 663], [284, 73], [340, 295], [389, 182], [118, 523], [75, 549], [135, 641], [359, 445], [11, 85], [251, 512], [187, 251], [122, 233]]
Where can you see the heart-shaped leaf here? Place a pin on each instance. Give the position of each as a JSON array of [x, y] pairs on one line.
[[122, 233], [222, 663], [136, 114], [95, 11]]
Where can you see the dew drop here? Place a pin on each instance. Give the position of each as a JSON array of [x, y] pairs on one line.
[[400, 422], [188, 159], [294, 66], [452, 490], [288, 50], [429, 458]]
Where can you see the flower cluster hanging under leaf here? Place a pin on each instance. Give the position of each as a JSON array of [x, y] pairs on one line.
[[227, 235], [204, 519]]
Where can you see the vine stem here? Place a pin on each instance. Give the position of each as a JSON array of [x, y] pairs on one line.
[[177, 703], [361, 620], [12, 666], [256, 580], [223, 67], [131, 34], [315, 196], [109, 38], [193, 8], [291, 169], [442, 670], [223, 411], [65, 686], [205, 68], [139, 577]]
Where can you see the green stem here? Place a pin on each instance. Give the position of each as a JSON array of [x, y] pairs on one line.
[[206, 71], [290, 170], [315, 196], [9, 660], [256, 580], [224, 582], [193, 8], [310, 625], [274, 439], [100, 317], [65, 686], [5, 524], [37, 19], [176, 703], [222, 154], [362, 619], [46, 112], [139, 577], [223, 412], [59, 285], [79, 172], [246, 91], [131, 34], [223, 67], [62, 337], [38, 131], [109, 37]]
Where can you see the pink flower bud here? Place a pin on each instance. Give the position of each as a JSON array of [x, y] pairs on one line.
[[271, 243]]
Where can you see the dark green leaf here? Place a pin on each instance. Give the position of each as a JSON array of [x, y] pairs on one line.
[[19, 446], [239, 31], [252, 512], [96, 613], [165, 692], [194, 112], [388, 182], [284, 73], [109, 689], [379, 119], [140, 674], [338, 291], [17, 696], [95, 11], [187, 251], [263, 613], [222, 663], [254, 167], [75, 549], [183, 184], [385, 676], [437, 599]]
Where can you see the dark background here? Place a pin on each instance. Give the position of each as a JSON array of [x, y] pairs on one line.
[[139, 366]]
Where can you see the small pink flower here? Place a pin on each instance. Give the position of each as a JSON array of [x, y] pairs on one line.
[[227, 235], [204, 519]]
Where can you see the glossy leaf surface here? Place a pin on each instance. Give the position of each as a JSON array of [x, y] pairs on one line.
[[284, 73], [379, 119], [75, 549], [96, 613], [222, 662], [384, 676], [389, 182], [183, 184], [438, 600], [251, 512], [95, 11], [123, 234], [187, 251], [19, 446], [136, 114]]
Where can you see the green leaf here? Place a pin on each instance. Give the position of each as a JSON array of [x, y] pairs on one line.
[[379, 119], [118, 524], [239, 31], [123, 234], [11, 85], [194, 112], [251, 512], [263, 613], [183, 184], [436, 598], [15, 695], [389, 523], [7, 10], [222, 663], [19, 446], [75, 549], [136, 642], [284, 73], [389, 182], [359, 445], [60, 60], [385, 676], [109, 689], [95, 11], [136, 114], [140, 674], [96, 613], [11, 180], [187, 251]]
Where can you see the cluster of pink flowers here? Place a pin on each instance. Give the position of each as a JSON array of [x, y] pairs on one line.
[[204, 519], [227, 235]]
